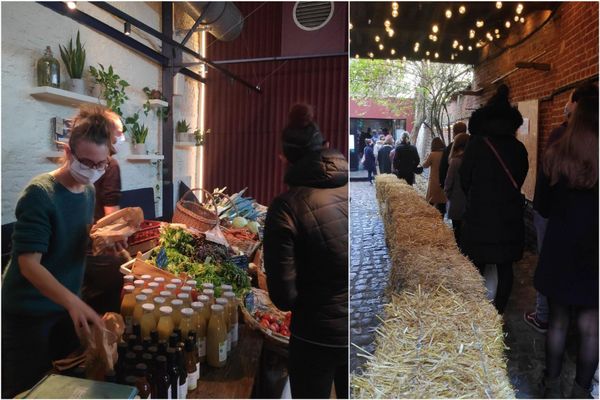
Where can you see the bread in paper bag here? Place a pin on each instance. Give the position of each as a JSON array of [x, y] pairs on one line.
[[115, 227]]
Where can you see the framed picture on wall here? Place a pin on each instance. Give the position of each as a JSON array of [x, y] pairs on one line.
[[61, 131]]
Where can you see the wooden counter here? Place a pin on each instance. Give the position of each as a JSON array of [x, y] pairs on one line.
[[236, 379]]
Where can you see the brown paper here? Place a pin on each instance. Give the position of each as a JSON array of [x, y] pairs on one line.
[[115, 227]]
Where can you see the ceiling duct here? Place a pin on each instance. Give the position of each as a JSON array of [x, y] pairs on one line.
[[222, 19]]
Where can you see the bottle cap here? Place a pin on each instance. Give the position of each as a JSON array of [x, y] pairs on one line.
[[129, 288], [226, 288], [197, 305], [203, 298], [191, 283], [159, 279], [187, 312], [147, 292], [216, 307], [128, 278], [165, 293], [153, 285], [186, 289], [208, 285], [229, 295], [221, 301], [159, 300], [141, 297], [166, 310], [171, 287], [148, 307], [208, 292], [138, 282], [183, 296], [177, 302], [176, 281], [146, 277]]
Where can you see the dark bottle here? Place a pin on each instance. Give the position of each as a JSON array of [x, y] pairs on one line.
[[190, 365], [183, 381], [161, 378], [48, 70], [132, 341], [130, 361], [110, 376], [173, 340], [146, 343], [153, 350], [162, 347], [142, 383], [178, 333], [147, 359], [120, 366], [138, 350], [192, 337], [154, 336], [173, 371], [137, 331]]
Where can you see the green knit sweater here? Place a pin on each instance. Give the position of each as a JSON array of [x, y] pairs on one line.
[[55, 222]]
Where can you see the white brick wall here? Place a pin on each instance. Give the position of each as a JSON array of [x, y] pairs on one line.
[[27, 28]]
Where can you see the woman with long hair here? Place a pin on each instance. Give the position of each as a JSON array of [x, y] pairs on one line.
[[567, 272], [452, 188], [435, 195]]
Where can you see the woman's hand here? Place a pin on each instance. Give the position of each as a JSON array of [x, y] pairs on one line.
[[82, 315]]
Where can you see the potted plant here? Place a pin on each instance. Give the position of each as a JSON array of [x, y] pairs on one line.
[[110, 87], [183, 132], [155, 94], [138, 132], [74, 59], [199, 136]]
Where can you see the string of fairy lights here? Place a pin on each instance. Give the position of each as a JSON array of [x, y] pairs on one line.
[[478, 36]]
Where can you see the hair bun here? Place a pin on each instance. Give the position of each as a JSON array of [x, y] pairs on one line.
[[300, 116]]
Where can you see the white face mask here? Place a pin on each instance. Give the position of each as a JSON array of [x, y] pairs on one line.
[[84, 175]]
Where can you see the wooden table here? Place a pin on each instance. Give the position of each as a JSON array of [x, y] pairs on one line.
[[236, 379]]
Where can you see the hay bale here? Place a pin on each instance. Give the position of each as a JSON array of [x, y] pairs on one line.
[[436, 344]]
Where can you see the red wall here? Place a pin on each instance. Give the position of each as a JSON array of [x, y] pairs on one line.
[[404, 109], [242, 149], [571, 44]]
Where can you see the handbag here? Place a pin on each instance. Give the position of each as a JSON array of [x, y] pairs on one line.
[[512, 180]]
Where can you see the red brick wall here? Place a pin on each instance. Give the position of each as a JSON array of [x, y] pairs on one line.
[[570, 40]]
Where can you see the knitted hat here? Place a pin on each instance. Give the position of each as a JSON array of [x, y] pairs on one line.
[[301, 135]]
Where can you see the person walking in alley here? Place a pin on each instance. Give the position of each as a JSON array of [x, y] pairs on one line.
[[383, 156], [306, 258], [457, 129], [493, 169], [567, 271], [369, 160], [406, 160], [452, 188], [435, 195]]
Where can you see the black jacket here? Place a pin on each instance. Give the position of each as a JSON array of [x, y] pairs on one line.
[[406, 160], [383, 158], [306, 248], [445, 164], [493, 227]]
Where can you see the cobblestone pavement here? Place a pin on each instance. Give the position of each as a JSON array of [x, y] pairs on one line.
[[369, 269]]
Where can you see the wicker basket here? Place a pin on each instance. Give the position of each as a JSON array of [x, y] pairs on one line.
[[263, 302], [193, 214]]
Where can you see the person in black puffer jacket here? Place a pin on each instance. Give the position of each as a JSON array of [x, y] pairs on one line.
[[306, 258], [493, 228], [406, 160]]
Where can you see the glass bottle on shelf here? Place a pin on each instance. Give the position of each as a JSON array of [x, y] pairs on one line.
[[208, 285], [155, 288], [167, 295], [190, 365], [206, 309], [142, 384], [173, 370], [149, 294], [161, 282], [148, 323], [139, 285], [183, 376], [177, 305], [192, 336], [199, 321], [162, 379], [211, 296], [225, 304], [48, 70], [158, 303], [187, 289], [216, 338], [193, 283], [185, 298], [234, 317], [185, 323], [127, 306], [165, 324], [137, 310]]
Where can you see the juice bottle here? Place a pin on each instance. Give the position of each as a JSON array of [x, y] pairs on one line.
[[155, 287], [208, 285], [177, 283], [158, 303], [171, 287], [226, 288], [165, 324], [139, 285], [148, 323], [190, 365], [186, 289], [147, 279], [193, 338], [192, 283], [177, 306], [206, 309], [127, 306], [161, 282], [186, 322], [216, 338], [185, 298], [137, 310], [225, 304], [211, 296], [234, 317], [199, 321], [167, 294]]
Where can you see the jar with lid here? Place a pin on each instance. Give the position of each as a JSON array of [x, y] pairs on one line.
[[165, 324], [155, 287], [128, 280], [137, 310], [158, 303], [192, 283], [225, 304], [149, 295], [208, 285], [216, 338], [199, 322], [226, 288], [161, 282], [185, 298], [127, 306], [186, 321], [171, 287], [177, 305], [234, 317], [148, 323], [48, 70]]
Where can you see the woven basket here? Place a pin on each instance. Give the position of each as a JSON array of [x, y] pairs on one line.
[[263, 302], [194, 215]]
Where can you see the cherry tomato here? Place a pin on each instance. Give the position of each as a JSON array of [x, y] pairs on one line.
[[284, 331], [274, 327], [265, 323]]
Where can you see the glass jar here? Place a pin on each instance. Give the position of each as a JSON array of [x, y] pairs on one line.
[[138, 312], [48, 70], [225, 304], [148, 323], [186, 322], [216, 338], [165, 324], [127, 307], [233, 317], [177, 305]]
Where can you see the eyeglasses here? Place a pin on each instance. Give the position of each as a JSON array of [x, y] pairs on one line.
[[102, 165]]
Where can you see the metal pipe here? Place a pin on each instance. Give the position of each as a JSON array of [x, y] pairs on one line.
[[118, 13], [167, 136], [193, 28], [283, 58]]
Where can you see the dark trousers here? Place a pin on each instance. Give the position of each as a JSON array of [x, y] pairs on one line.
[[409, 178], [29, 345], [456, 224], [313, 369], [441, 207], [102, 283], [505, 282], [371, 172]]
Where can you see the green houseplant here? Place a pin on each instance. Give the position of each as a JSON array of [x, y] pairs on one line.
[[199, 136], [138, 133], [182, 130], [155, 94], [112, 87], [74, 59]]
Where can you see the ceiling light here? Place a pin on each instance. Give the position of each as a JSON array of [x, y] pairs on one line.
[[434, 38], [519, 8], [351, 26], [489, 36], [522, 20], [427, 53], [391, 33], [371, 54], [496, 30], [436, 55], [470, 48], [394, 13], [461, 47], [395, 5], [471, 33], [387, 23], [417, 44], [448, 13], [404, 58], [497, 36], [479, 23], [516, 18], [357, 56], [498, 5], [72, 5], [434, 29], [455, 44], [369, 22], [462, 9], [452, 57], [377, 38], [380, 46], [507, 24], [127, 28], [392, 51]]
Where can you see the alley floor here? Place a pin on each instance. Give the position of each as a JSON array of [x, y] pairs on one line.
[[369, 271]]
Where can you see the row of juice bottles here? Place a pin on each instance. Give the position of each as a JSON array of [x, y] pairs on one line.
[[214, 320]]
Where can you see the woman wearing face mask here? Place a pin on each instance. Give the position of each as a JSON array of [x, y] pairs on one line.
[[41, 308]]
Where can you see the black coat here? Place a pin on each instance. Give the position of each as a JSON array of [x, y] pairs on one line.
[[406, 160], [567, 269], [493, 227], [369, 163], [306, 248], [383, 157]]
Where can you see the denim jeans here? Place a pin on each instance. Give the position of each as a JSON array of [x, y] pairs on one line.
[[541, 302]]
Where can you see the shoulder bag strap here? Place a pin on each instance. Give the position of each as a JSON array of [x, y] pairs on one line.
[[487, 141]]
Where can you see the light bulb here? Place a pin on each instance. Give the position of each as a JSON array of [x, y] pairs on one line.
[[371, 54], [448, 13], [436, 55], [394, 6], [479, 23], [377, 38], [392, 51], [394, 13], [434, 38], [498, 5], [516, 18], [72, 5], [404, 58], [461, 47], [351, 26], [471, 33], [387, 23], [455, 44], [462, 9], [507, 24], [434, 29], [522, 20], [391, 33], [380, 46], [496, 30], [470, 48], [519, 8]]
